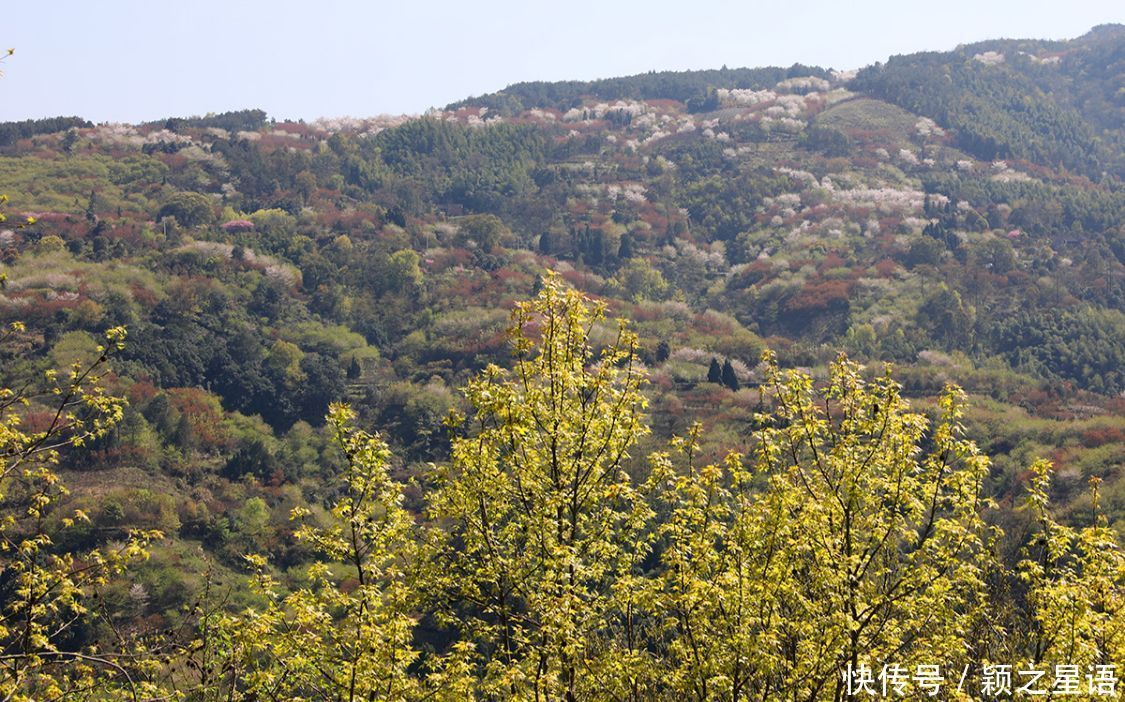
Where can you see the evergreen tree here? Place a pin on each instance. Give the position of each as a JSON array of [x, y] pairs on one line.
[[355, 370], [715, 372], [728, 376]]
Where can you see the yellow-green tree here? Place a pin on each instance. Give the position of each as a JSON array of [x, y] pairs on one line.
[[845, 544], [45, 593], [348, 633], [544, 530], [1075, 602]]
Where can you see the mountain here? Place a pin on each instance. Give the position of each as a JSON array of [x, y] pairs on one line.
[[1051, 103], [958, 214]]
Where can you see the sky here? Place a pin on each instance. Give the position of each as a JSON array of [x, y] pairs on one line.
[[139, 60]]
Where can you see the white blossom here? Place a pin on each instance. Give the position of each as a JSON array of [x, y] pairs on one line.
[[745, 97], [927, 127], [990, 58], [49, 281], [804, 83], [798, 175], [541, 115], [886, 200]]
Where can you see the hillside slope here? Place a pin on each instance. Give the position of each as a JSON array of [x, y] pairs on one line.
[[958, 215]]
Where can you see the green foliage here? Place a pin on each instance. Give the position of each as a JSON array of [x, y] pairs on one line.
[[728, 377], [44, 592], [998, 111], [476, 168], [237, 120], [770, 591], [1075, 579], [190, 209], [11, 132], [395, 249], [484, 231], [348, 633], [1082, 345], [829, 141], [715, 372], [673, 85]]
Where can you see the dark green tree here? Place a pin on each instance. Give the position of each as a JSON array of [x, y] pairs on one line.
[[715, 372], [728, 376]]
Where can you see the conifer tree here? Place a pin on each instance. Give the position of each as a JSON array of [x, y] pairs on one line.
[[729, 378], [715, 372]]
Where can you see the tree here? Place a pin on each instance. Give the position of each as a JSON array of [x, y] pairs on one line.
[[860, 549], [1075, 578], [403, 270], [348, 634], [924, 251], [485, 231], [546, 531], [252, 458], [729, 378], [325, 382], [355, 370], [715, 372], [45, 593], [189, 209], [946, 319]]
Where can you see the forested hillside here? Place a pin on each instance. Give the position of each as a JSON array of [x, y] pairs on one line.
[[958, 215]]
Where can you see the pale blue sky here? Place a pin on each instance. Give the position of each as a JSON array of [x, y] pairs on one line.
[[133, 60]]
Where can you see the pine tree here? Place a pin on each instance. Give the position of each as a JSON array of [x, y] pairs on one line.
[[715, 372], [355, 370], [729, 378]]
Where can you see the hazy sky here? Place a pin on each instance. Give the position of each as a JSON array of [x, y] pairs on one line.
[[133, 60]]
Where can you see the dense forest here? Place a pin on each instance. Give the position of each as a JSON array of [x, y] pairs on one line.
[[716, 385]]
